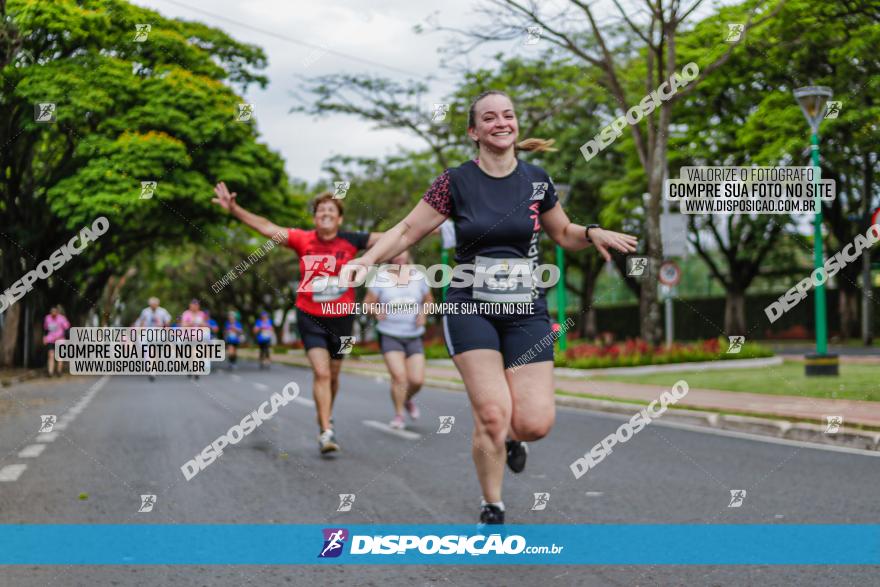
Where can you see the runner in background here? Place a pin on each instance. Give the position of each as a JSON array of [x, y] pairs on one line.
[[194, 317], [212, 324], [323, 308], [153, 316], [400, 332], [55, 326], [263, 332], [232, 332]]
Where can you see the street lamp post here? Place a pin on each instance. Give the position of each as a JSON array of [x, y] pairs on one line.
[[812, 100], [562, 192]]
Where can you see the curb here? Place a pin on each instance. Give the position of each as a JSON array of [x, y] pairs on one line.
[[9, 381], [672, 367], [776, 428]]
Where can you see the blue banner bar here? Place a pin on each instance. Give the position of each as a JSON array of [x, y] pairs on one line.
[[251, 544]]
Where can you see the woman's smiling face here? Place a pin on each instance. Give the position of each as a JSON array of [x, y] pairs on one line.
[[495, 125]]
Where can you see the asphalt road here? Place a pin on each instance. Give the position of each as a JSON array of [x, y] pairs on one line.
[[129, 437]]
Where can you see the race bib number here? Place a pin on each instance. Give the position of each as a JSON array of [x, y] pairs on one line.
[[326, 289], [502, 280]]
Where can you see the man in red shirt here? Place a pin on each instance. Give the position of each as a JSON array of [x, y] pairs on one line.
[[323, 308]]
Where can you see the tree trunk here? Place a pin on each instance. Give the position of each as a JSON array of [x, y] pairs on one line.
[[735, 312], [588, 316], [649, 305], [847, 304], [9, 338]]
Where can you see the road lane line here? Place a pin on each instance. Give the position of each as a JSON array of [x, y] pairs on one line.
[[261, 386], [408, 434], [47, 436], [31, 451], [304, 401], [11, 472], [734, 434]]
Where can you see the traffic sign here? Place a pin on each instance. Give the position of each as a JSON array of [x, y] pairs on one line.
[[673, 232], [670, 273]]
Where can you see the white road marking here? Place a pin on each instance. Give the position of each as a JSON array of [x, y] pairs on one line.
[[11, 472], [236, 377], [593, 493], [31, 451], [408, 434], [305, 401], [734, 434], [261, 386]]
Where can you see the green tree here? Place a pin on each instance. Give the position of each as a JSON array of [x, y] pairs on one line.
[[161, 108], [756, 121]]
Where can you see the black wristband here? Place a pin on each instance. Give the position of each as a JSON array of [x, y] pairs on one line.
[[587, 231]]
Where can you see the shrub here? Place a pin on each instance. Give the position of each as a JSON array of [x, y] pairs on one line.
[[635, 352]]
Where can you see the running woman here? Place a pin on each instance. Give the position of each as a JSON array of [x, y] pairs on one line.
[[499, 205], [194, 317], [323, 309], [263, 331], [55, 325], [400, 332], [232, 332], [153, 316]]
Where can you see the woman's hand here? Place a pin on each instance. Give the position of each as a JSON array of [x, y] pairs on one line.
[[225, 198], [605, 239]]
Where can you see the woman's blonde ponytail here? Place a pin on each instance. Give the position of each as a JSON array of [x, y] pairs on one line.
[[536, 145]]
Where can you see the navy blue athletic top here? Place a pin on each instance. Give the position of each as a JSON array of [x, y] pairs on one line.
[[495, 217]]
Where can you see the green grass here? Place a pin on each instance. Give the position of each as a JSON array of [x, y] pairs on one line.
[[858, 382]]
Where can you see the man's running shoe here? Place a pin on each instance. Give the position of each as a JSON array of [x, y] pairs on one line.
[[491, 514], [516, 455], [412, 409], [327, 441], [397, 423]]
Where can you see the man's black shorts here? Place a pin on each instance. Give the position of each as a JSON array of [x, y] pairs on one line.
[[323, 332]]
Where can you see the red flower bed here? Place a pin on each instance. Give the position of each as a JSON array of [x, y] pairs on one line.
[[634, 351]]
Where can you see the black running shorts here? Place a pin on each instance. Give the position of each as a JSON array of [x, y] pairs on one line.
[[525, 340], [322, 332]]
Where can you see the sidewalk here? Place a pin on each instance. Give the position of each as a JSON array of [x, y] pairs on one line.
[[777, 415]]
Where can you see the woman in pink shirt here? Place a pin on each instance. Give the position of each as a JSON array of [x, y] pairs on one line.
[[55, 325]]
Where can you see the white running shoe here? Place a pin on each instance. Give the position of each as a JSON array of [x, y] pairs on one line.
[[396, 423], [327, 441]]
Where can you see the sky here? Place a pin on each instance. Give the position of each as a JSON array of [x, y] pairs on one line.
[[380, 32]]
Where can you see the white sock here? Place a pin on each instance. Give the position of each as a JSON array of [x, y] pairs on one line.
[[498, 504]]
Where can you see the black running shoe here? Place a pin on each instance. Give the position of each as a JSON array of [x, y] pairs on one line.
[[491, 514], [516, 455]]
